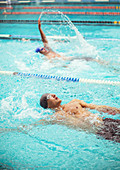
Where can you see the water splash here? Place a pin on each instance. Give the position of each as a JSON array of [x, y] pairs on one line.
[[75, 44]]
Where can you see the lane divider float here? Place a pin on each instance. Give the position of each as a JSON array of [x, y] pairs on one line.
[[59, 78], [74, 7], [68, 13], [56, 21], [6, 7], [58, 38]]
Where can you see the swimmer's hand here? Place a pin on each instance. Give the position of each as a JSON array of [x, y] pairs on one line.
[[23, 128], [109, 110], [15, 129]]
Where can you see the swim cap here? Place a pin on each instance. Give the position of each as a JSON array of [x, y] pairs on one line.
[[37, 50], [43, 100]]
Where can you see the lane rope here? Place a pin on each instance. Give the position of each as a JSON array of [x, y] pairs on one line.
[[35, 37], [68, 7], [55, 21], [6, 7], [74, 7], [68, 13], [59, 78]]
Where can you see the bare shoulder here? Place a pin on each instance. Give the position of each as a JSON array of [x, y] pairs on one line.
[[46, 45], [80, 102], [75, 100]]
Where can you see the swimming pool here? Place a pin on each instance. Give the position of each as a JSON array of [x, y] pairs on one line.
[[56, 146]]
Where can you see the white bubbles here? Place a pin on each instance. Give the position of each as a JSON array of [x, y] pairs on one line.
[[21, 65]]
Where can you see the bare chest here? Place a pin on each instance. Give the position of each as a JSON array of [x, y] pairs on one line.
[[73, 108], [52, 54]]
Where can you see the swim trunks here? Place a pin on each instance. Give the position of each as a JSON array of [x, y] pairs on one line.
[[110, 129]]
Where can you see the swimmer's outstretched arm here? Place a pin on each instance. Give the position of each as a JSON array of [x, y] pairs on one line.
[[107, 109], [100, 108], [43, 36], [25, 128]]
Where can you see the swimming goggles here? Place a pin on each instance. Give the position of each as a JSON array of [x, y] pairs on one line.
[[41, 49], [49, 96]]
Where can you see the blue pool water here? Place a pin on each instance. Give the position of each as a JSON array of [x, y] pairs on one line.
[[56, 146]]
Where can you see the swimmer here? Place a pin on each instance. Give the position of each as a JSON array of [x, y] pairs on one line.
[[49, 53], [46, 50], [76, 114], [23, 39]]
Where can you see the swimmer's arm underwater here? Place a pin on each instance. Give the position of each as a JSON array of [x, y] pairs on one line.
[[25, 128], [107, 109], [100, 108]]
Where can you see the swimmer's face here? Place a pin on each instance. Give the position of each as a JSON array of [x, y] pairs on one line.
[[53, 101], [43, 50]]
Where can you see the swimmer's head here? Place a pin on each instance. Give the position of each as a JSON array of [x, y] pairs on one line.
[[51, 101], [43, 101], [41, 50]]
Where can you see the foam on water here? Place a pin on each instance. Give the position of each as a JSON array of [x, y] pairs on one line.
[[18, 109]]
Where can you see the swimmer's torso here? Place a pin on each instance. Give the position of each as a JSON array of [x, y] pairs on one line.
[[73, 108], [80, 116], [52, 54]]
